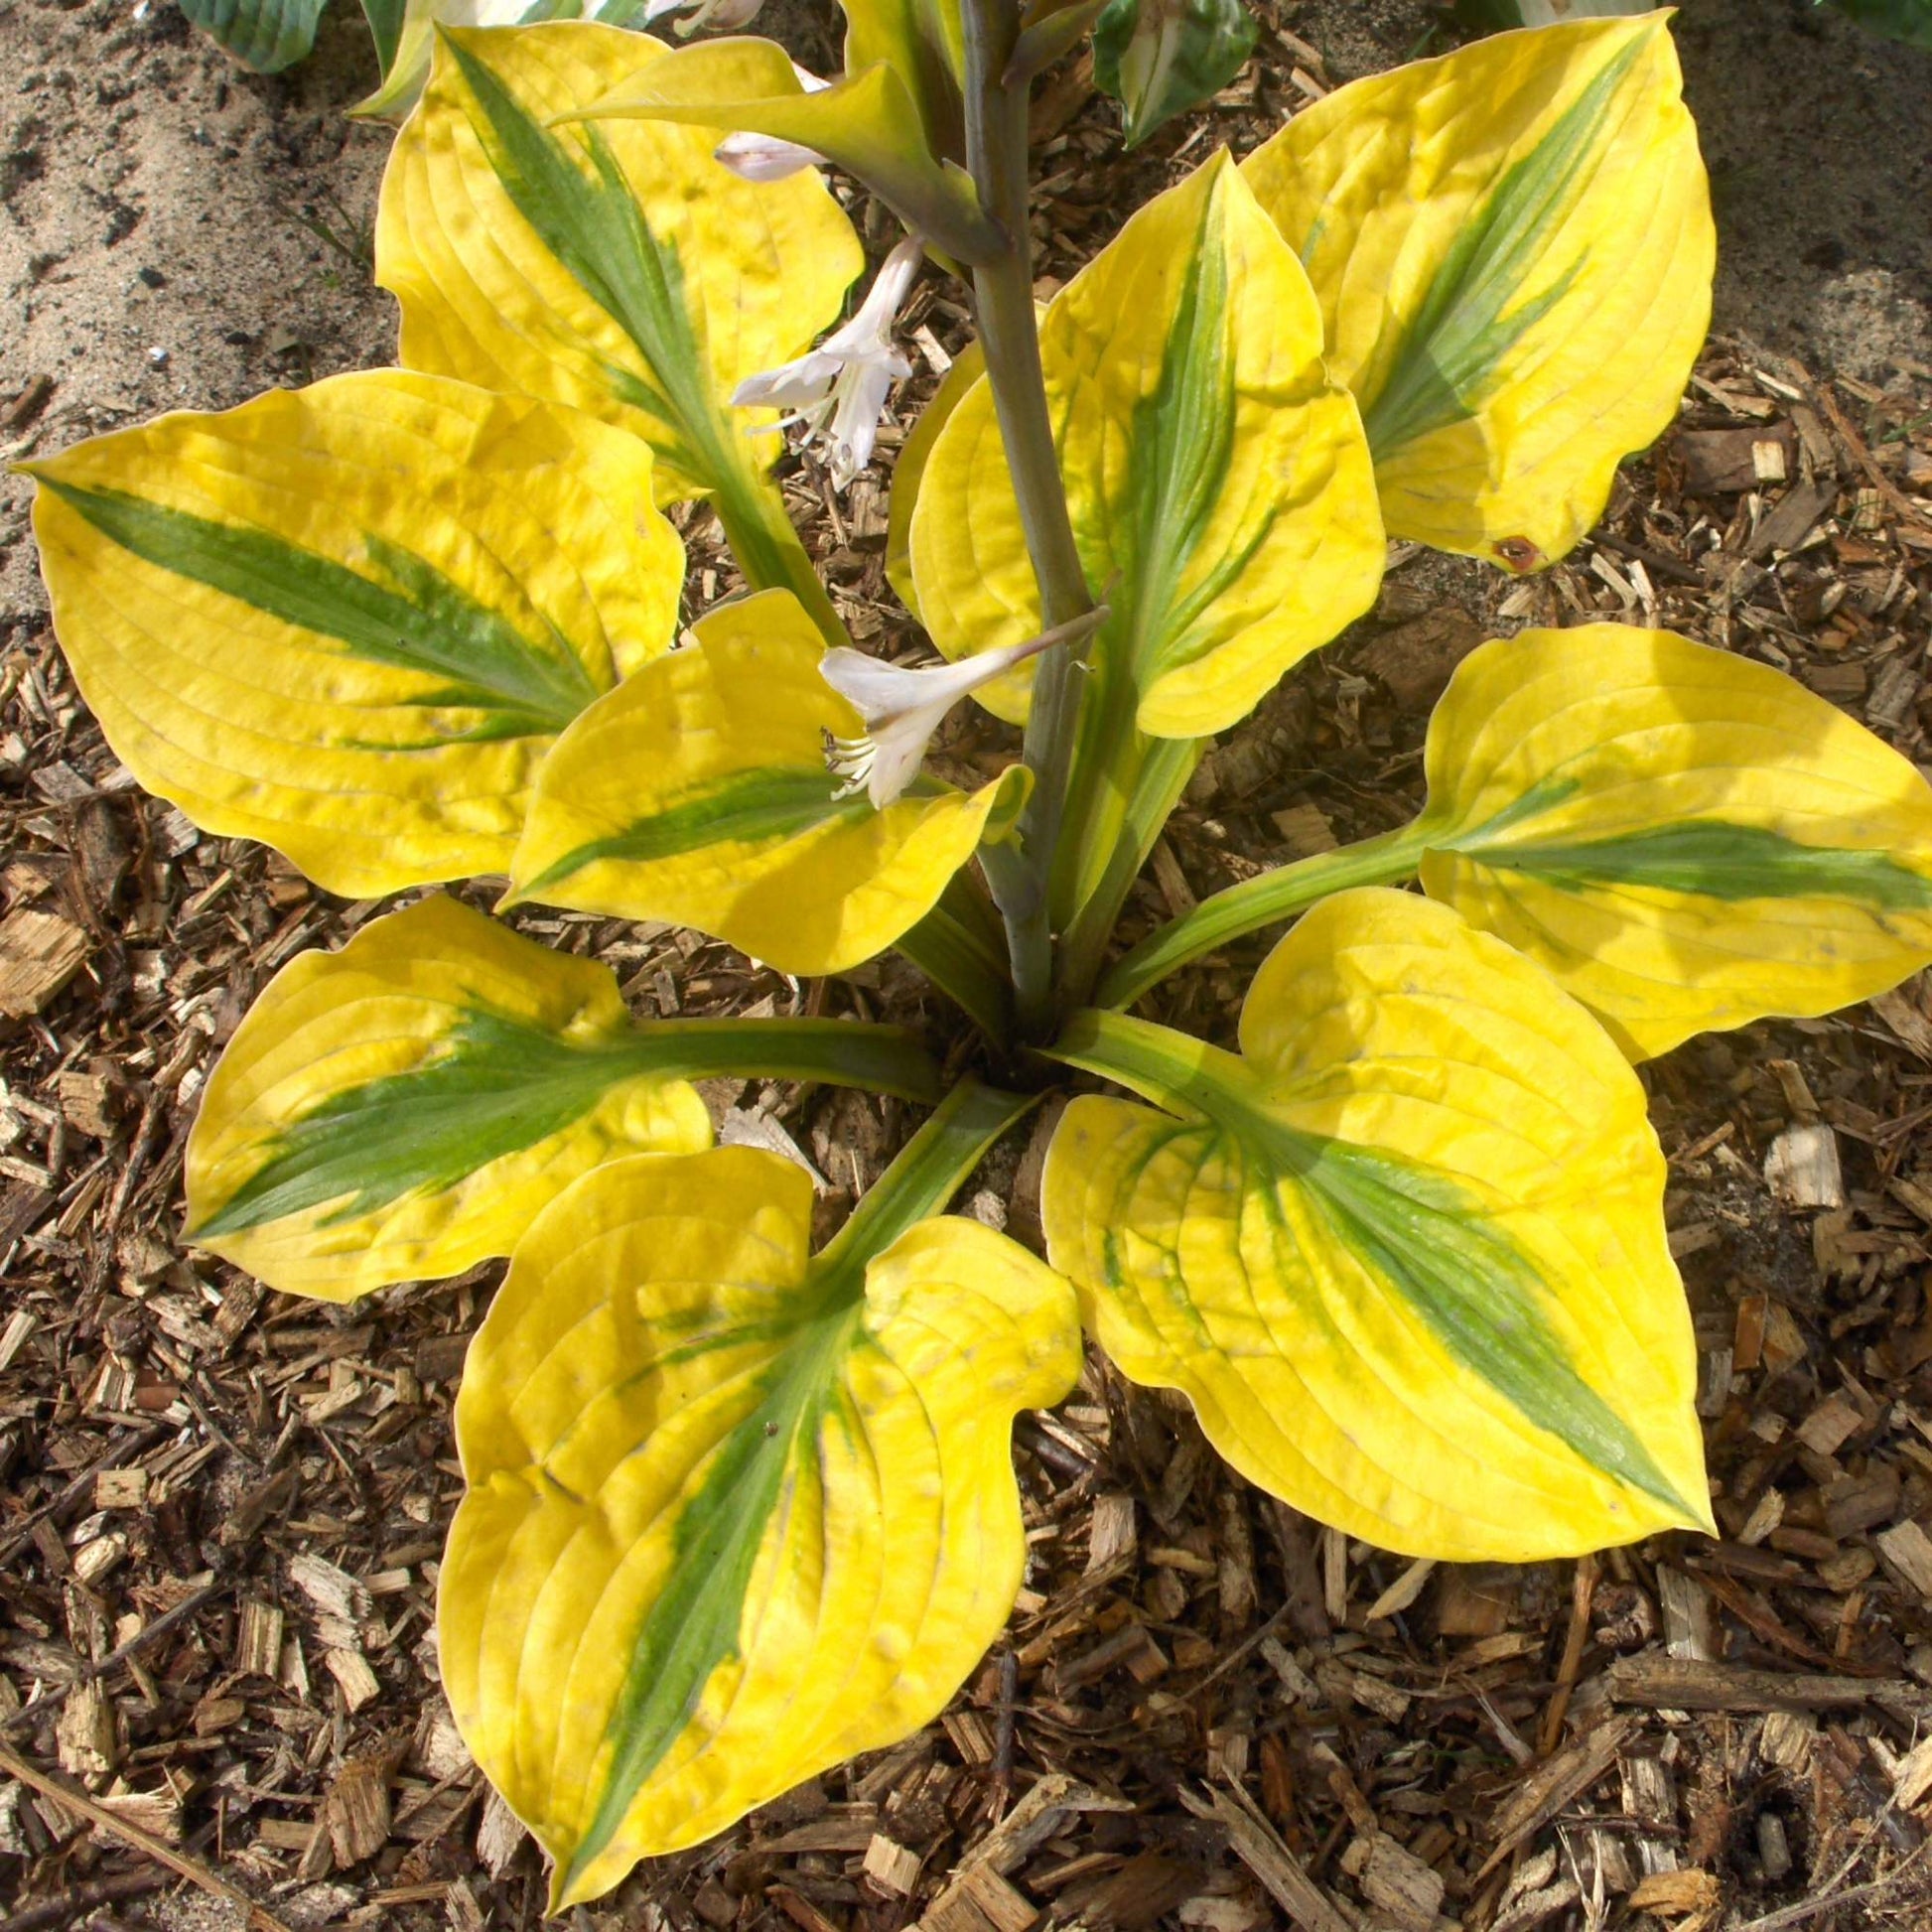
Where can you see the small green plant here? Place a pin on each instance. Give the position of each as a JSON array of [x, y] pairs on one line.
[[1160, 58], [737, 1510], [1909, 21]]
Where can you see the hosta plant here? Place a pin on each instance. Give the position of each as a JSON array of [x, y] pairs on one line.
[[740, 1506]]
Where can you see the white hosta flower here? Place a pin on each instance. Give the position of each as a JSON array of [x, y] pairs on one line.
[[725, 15], [838, 390], [762, 156], [903, 707]]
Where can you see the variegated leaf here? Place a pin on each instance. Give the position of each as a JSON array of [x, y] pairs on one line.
[[1687, 839], [698, 792], [405, 58], [1512, 247], [866, 122], [923, 42], [617, 267], [1222, 501], [350, 619], [1405, 1253], [735, 1513], [1208, 461], [403, 1108]]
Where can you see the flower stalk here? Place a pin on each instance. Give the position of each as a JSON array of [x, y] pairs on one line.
[[1003, 294]]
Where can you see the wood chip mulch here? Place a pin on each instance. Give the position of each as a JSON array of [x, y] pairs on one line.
[[222, 1510]]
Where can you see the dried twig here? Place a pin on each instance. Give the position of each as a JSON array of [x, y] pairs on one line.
[[1552, 1785], [139, 1152], [1862, 457], [1687, 1684], [73, 1906], [112, 1456], [260, 1917], [1827, 1901], [1259, 1847], [1003, 1729], [1583, 1589], [86, 1673]]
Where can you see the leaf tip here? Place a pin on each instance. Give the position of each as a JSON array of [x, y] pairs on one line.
[[567, 1887]]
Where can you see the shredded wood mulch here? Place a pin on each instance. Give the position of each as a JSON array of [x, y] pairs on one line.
[[222, 1510]]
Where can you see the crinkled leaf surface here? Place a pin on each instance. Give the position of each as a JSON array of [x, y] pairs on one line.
[[617, 266], [1512, 246], [1207, 458], [266, 35], [350, 619], [403, 1108], [698, 792], [867, 122], [1160, 57], [735, 1514], [1685, 838], [1405, 1253]]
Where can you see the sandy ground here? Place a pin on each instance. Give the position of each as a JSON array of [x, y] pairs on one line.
[[1818, 140], [160, 229], [174, 233]]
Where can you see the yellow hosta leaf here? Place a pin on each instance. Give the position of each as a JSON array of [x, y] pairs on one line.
[[1404, 1255], [1208, 461], [1685, 838], [348, 621], [1513, 250], [698, 792], [909, 471], [406, 65], [617, 266], [735, 1513], [403, 1108]]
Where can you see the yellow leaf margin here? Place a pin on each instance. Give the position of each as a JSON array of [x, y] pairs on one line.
[[1406, 1254], [733, 1514], [1512, 246]]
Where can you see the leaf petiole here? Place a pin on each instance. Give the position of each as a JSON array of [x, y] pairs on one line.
[[1256, 903]]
